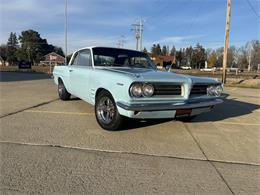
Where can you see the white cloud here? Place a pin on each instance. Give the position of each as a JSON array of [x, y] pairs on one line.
[[178, 39]]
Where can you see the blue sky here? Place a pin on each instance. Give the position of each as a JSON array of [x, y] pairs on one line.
[[103, 22]]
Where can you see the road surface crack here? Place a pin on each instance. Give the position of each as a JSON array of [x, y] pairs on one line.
[[31, 107], [207, 159], [124, 152]]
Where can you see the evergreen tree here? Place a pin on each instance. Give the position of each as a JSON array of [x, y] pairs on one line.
[[33, 47], [173, 51], [164, 50], [153, 50], [58, 50], [158, 50], [198, 57], [179, 57], [12, 45], [3, 54]]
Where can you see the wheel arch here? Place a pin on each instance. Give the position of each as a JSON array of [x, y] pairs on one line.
[[99, 90], [60, 80]]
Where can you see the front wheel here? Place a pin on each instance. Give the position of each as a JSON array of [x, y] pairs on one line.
[[62, 91], [106, 112]]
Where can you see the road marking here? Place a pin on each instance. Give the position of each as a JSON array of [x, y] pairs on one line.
[[53, 112], [236, 123]]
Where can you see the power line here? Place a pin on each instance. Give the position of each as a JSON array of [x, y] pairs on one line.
[[121, 42], [252, 7]]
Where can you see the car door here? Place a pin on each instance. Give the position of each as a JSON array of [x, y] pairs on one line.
[[79, 71]]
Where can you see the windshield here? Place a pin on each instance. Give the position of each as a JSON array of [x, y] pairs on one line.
[[121, 58]]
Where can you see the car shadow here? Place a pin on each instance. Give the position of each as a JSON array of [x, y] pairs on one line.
[[22, 76], [230, 108], [130, 123], [73, 98]]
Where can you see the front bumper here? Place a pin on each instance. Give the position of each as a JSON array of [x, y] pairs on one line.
[[166, 110], [169, 106]]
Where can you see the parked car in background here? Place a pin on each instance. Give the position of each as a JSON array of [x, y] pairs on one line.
[[208, 69], [232, 69], [185, 67], [123, 84]]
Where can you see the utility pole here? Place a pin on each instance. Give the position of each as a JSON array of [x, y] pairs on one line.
[[135, 27], [66, 30], [136, 34], [226, 41], [138, 28], [249, 57], [141, 34]]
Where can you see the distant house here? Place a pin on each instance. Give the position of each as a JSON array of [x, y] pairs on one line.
[[3, 63], [53, 59], [163, 61]]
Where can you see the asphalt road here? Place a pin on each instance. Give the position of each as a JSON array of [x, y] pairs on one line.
[[53, 147]]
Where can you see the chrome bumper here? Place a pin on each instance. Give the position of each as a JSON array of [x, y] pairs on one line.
[[169, 106]]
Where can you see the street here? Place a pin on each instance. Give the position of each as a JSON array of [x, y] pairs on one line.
[[49, 146]]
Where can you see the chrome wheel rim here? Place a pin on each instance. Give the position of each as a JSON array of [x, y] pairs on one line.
[[105, 110], [60, 89]]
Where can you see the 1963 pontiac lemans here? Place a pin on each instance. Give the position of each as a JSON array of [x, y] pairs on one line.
[[125, 83]]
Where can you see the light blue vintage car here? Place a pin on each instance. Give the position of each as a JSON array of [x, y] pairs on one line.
[[123, 84]]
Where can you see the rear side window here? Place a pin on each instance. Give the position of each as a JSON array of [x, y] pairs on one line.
[[82, 58]]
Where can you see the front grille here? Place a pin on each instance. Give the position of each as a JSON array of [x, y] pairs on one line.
[[167, 89], [199, 90]]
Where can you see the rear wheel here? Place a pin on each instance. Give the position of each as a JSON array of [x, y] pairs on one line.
[[62, 91], [106, 112]]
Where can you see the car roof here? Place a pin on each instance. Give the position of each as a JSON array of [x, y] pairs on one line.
[[91, 47]]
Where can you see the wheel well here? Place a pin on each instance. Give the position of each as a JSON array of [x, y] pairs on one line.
[[98, 91], [60, 80]]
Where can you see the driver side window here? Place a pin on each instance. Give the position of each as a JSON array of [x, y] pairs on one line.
[[82, 58]]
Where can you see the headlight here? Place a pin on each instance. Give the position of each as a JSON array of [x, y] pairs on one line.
[[141, 89], [214, 90], [136, 90], [218, 90], [148, 90]]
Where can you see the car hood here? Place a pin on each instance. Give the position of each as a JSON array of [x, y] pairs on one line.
[[152, 75]]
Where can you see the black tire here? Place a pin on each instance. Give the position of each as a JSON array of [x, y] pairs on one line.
[[62, 91], [106, 112]]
